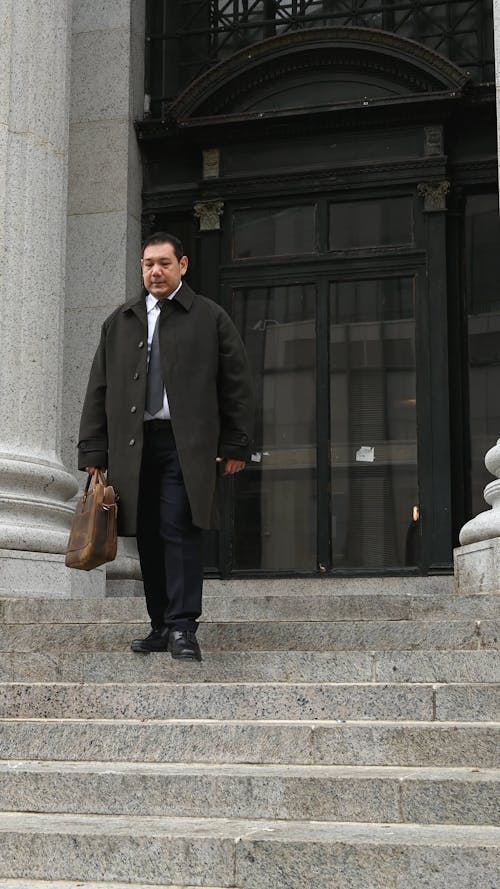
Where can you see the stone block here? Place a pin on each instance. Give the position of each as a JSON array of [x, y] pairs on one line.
[[263, 636], [477, 568], [157, 741], [469, 797], [232, 666], [198, 700], [374, 856], [96, 260], [118, 848], [408, 744], [100, 74], [34, 574], [437, 666], [98, 168], [477, 703], [236, 791], [101, 15]]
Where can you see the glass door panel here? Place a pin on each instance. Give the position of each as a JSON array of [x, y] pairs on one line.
[[373, 424], [275, 505], [483, 317]]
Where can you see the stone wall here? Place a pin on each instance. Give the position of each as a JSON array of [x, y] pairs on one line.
[[104, 195]]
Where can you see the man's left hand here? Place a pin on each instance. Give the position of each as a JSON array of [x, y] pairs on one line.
[[231, 466]]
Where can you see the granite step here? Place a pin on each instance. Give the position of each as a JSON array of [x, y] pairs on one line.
[[71, 884], [320, 793], [366, 635], [321, 742], [315, 607], [251, 666], [247, 854], [191, 700]]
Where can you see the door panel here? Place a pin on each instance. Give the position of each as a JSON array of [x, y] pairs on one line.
[[373, 428], [275, 505]]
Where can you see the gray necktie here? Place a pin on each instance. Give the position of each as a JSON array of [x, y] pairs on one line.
[[155, 384]]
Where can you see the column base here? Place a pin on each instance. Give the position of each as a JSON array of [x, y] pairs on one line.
[[44, 575], [477, 568]]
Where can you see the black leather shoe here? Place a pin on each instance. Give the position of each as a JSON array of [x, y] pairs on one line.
[[156, 641], [182, 644]]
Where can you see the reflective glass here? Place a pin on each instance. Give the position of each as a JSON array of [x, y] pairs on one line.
[[375, 520], [275, 504], [371, 223], [274, 232], [483, 275]]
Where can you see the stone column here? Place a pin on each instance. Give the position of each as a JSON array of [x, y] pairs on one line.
[[35, 488], [104, 204]]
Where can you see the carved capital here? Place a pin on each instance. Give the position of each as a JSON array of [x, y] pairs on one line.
[[434, 195], [209, 214]]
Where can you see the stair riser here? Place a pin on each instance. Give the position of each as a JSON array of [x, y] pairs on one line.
[[265, 865], [437, 745], [183, 860], [249, 864], [313, 606], [269, 636], [266, 666], [389, 800], [231, 701]]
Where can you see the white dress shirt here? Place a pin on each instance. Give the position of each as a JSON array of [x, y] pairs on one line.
[[153, 310]]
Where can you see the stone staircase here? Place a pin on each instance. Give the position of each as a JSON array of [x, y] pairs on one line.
[[338, 735]]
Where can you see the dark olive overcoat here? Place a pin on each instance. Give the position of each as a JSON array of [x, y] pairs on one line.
[[209, 389]]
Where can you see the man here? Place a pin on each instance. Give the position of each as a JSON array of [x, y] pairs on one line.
[[168, 404]]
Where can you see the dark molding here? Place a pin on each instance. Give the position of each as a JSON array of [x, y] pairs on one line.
[[428, 109], [360, 47]]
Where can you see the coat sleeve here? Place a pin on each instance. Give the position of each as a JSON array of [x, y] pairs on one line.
[[235, 393], [93, 436]]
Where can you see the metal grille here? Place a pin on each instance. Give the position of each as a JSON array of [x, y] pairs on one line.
[[185, 37]]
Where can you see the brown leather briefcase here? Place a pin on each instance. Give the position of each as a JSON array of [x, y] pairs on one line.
[[93, 536]]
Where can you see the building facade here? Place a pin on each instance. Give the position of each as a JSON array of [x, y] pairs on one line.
[[332, 170]]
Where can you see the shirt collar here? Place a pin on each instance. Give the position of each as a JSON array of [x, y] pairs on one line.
[[152, 302]]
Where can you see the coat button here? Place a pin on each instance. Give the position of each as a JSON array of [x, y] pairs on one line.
[[132, 442], [136, 376], [140, 344], [133, 409]]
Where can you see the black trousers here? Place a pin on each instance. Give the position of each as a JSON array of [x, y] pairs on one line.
[[170, 546]]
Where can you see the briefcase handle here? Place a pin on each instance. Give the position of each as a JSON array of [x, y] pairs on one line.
[[93, 477]]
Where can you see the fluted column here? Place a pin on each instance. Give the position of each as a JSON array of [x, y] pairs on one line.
[[35, 488]]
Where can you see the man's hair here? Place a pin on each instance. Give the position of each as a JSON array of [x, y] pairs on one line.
[[165, 238]]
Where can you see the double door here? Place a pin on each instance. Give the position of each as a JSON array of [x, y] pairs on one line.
[[333, 483]]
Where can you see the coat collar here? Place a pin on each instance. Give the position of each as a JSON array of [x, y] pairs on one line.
[[184, 297]]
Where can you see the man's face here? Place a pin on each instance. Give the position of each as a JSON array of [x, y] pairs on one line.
[[161, 270]]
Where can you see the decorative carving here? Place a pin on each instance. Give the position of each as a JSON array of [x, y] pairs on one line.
[[433, 141], [211, 163], [434, 195], [209, 214], [390, 49]]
